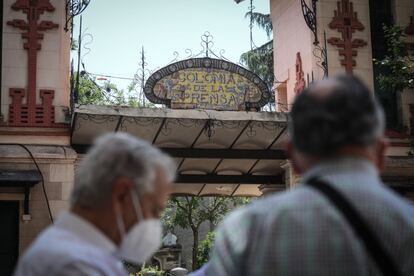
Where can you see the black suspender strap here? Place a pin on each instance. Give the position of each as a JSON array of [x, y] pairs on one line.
[[361, 229]]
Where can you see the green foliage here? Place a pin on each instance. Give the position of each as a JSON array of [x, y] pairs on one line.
[[205, 248], [260, 62], [89, 92], [190, 212], [264, 21], [260, 59], [107, 94], [73, 44], [133, 269], [153, 269], [397, 65], [138, 270]]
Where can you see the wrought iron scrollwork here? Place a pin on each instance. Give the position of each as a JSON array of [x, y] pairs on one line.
[[207, 42], [310, 18], [206, 50], [74, 8], [319, 52], [207, 45], [140, 77], [209, 129], [171, 125], [321, 57]]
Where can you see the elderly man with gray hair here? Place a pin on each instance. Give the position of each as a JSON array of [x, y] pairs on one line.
[[342, 220], [121, 187]]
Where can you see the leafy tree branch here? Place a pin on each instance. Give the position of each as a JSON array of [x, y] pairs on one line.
[[191, 212]]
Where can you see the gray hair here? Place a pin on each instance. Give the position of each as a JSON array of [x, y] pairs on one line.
[[118, 155], [335, 113]]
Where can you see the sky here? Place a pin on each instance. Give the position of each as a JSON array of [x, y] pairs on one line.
[[120, 28]]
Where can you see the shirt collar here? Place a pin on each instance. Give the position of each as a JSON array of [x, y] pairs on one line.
[[342, 166], [86, 231]]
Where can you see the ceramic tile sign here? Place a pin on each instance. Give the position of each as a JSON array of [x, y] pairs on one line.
[[206, 83]]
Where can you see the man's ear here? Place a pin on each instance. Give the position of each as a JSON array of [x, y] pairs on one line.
[[120, 191]]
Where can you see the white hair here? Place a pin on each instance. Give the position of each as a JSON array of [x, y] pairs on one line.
[[118, 155]]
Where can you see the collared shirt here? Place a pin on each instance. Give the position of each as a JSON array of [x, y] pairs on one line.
[[71, 246], [299, 232]]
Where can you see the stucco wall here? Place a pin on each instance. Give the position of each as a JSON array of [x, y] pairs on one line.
[[403, 10], [57, 166], [363, 68], [291, 35], [52, 59]]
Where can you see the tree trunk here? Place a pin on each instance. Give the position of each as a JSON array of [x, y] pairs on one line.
[[195, 249]]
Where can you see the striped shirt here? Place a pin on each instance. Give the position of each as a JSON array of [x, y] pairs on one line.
[[299, 232]]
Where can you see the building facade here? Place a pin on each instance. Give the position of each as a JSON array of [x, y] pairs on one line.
[[34, 122], [226, 151], [42, 138], [314, 39]]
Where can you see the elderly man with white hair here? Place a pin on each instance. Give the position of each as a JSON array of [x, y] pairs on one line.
[[120, 189]]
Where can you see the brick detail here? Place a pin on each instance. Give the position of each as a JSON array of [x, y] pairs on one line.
[[17, 112], [300, 76], [346, 22], [44, 114], [31, 113]]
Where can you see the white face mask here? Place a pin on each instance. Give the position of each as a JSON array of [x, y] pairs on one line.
[[142, 240]]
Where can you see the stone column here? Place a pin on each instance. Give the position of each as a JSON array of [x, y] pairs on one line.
[[268, 189], [291, 178]]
